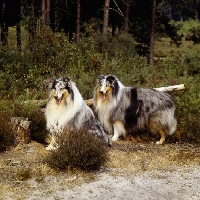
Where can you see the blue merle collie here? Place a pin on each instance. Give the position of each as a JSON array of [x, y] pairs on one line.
[[66, 110], [123, 110]]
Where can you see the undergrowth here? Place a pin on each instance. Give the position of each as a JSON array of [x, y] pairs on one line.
[[6, 131], [78, 149], [23, 74]]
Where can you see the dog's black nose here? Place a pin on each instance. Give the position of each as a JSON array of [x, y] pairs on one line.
[[101, 92], [55, 97]]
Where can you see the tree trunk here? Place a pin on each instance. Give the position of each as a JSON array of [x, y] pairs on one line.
[[18, 33], [21, 129], [32, 24], [152, 33], [126, 20], [18, 26], [114, 28], [171, 88], [56, 19], [47, 13], [78, 14], [45, 9], [170, 12], [4, 25], [106, 17], [196, 11]]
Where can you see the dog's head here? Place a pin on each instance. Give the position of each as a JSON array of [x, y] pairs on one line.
[[60, 89], [106, 85]]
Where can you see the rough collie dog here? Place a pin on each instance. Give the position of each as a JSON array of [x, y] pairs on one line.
[[66, 110], [123, 110]]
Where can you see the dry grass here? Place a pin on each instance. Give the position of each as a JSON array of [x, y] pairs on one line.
[[138, 157], [22, 169]]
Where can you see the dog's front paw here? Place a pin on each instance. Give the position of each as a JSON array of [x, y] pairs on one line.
[[158, 142], [51, 147], [115, 138]]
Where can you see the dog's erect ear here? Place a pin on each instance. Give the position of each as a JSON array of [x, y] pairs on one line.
[[67, 80], [111, 79], [52, 83], [100, 77]]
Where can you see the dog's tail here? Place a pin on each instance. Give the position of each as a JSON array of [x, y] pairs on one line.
[[173, 125], [171, 121]]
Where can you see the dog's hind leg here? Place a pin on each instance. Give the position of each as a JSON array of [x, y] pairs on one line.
[[119, 130], [163, 136], [155, 126]]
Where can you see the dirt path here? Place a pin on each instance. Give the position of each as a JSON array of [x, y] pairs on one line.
[[135, 171], [156, 185]]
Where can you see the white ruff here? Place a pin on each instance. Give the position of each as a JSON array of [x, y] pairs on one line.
[[105, 110], [58, 116]]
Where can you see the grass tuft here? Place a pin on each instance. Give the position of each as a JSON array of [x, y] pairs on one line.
[[23, 174]]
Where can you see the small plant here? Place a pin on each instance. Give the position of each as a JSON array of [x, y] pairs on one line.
[[78, 150], [23, 174]]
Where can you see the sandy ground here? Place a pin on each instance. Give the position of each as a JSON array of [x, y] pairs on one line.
[[157, 185], [178, 182]]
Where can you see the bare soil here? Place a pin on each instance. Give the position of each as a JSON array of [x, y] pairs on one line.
[[136, 170]]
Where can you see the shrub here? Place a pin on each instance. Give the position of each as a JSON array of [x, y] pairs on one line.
[[26, 109], [79, 150], [190, 128], [22, 74], [6, 131]]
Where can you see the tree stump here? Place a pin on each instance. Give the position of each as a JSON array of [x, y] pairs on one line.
[[21, 128]]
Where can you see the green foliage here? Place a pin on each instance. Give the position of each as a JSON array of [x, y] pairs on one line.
[[194, 35], [141, 33], [187, 25], [23, 75], [172, 31], [182, 67], [6, 131], [78, 150]]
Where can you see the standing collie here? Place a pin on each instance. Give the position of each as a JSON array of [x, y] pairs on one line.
[[66, 110], [123, 110]]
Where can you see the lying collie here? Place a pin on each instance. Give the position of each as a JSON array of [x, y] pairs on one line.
[[123, 110], [66, 110]]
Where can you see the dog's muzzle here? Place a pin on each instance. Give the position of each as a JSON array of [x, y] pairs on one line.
[[58, 100], [103, 95]]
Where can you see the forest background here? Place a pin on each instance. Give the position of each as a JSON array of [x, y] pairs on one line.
[[145, 43]]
